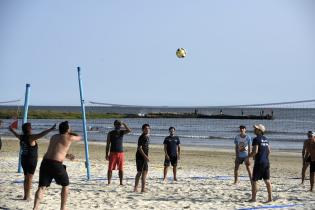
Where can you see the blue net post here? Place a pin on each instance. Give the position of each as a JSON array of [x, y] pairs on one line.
[[87, 161], [25, 113]]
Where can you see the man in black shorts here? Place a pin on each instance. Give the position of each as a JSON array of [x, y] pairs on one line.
[[310, 151], [142, 157], [52, 167], [306, 159], [260, 151], [172, 152]]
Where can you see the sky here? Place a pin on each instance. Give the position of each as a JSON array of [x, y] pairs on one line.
[[238, 52]]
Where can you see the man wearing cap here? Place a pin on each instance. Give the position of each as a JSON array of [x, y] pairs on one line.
[[306, 159], [261, 151], [310, 151], [242, 149], [115, 146]]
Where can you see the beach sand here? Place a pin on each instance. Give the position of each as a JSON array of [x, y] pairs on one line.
[[205, 181]]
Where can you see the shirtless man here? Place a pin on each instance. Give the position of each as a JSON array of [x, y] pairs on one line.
[[306, 159], [52, 167], [310, 151]]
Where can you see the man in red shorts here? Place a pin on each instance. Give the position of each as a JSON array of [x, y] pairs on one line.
[[115, 146]]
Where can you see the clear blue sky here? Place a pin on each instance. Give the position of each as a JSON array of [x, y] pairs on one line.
[[239, 52]]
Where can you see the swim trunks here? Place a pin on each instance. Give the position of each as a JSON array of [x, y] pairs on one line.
[[52, 169], [142, 165], [261, 172], [116, 161], [172, 161]]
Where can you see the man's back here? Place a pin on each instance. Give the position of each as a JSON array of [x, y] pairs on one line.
[[58, 147], [262, 157]]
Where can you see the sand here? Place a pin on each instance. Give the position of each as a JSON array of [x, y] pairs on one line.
[[204, 181]]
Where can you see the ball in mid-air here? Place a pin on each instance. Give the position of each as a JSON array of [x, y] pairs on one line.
[[181, 53]]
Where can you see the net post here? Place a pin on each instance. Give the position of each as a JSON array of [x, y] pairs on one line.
[[87, 161], [25, 113]]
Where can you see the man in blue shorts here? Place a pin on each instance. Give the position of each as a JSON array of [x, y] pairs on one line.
[[172, 152], [261, 151], [242, 149]]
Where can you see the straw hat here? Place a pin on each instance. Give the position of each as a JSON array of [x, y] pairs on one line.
[[260, 127]]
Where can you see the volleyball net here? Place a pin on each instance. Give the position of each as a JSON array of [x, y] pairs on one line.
[[202, 125]]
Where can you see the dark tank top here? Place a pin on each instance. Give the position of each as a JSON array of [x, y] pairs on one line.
[[27, 149], [116, 140]]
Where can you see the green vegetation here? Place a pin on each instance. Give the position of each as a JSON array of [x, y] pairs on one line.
[[46, 114]]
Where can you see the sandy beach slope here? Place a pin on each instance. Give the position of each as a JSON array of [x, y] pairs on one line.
[[205, 181]]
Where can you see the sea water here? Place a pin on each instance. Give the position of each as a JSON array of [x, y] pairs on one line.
[[286, 131]]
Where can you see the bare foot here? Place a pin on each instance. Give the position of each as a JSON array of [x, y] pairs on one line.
[[235, 182], [144, 190], [135, 189], [175, 179], [27, 199], [268, 201], [251, 200]]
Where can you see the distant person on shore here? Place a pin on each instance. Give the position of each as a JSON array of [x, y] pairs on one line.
[[306, 159], [29, 153], [261, 152], [310, 151], [142, 158], [114, 144], [0, 135], [52, 167], [172, 152], [243, 144]]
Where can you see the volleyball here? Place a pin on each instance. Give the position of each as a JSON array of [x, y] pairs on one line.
[[181, 53]]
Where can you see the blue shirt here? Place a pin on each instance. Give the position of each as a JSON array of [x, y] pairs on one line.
[[242, 144], [262, 157]]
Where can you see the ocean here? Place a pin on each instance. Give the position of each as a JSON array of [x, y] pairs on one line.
[[286, 131]]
